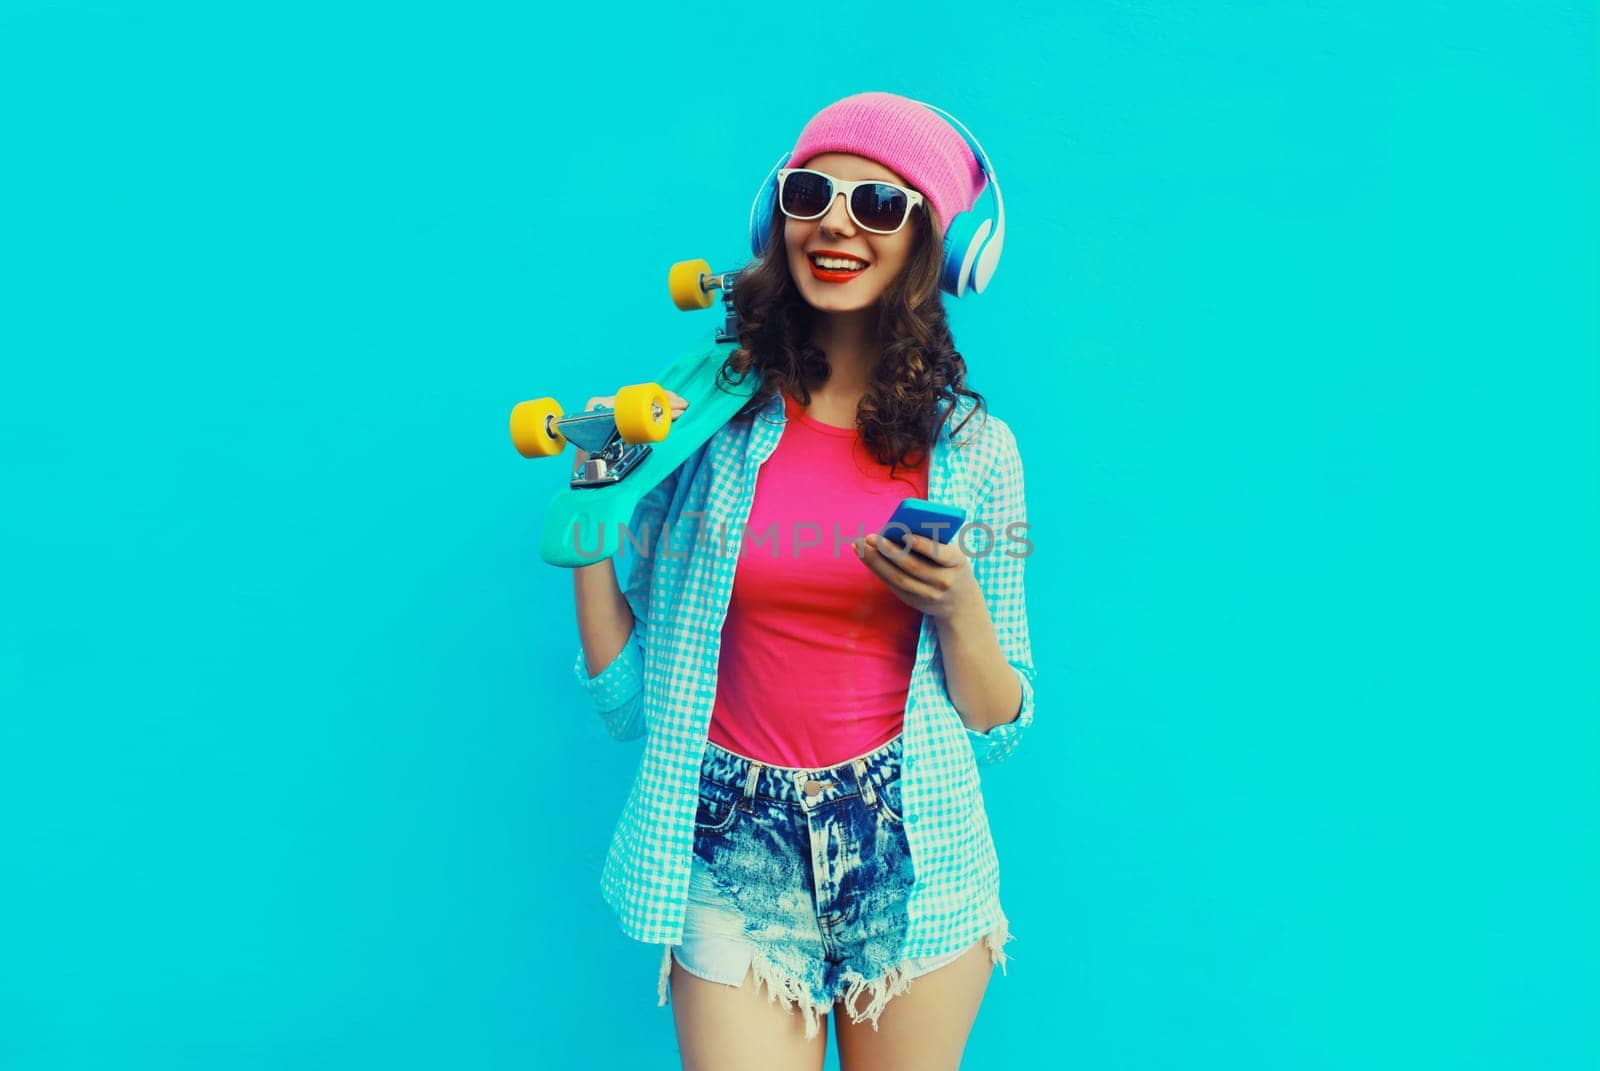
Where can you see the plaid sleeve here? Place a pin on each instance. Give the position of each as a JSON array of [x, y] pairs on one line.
[[1002, 507], [617, 691]]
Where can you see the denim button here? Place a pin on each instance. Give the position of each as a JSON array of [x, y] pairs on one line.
[[908, 762]]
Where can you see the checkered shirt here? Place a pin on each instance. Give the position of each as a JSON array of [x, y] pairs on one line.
[[662, 684]]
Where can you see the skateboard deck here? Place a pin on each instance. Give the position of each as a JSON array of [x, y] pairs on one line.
[[585, 525]]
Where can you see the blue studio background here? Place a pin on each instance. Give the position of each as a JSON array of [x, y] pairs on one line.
[[1296, 327]]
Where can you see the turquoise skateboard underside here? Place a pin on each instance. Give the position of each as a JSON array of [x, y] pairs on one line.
[[594, 518]]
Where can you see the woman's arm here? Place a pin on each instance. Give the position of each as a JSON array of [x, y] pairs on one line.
[[979, 606], [1003, 685], [982, 685], [612, 623], [604, 617]]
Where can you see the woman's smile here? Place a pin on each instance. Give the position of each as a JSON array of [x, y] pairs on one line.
[[834, 275], [832, 266]]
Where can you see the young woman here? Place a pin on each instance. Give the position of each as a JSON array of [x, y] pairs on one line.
[[807, 815]]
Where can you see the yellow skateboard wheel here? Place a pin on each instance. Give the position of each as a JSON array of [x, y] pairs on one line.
[[533, 429], [643, 413], [684, 281]]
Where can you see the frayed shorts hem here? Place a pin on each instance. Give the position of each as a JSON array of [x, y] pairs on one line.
[[794, 995]]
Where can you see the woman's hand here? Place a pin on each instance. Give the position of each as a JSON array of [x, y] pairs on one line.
[[608, 401], [935, 578]]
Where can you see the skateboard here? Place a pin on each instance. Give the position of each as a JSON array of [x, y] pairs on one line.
[[636, 443]]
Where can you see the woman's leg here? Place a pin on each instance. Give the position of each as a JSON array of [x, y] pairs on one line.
[[924, 1028], [734, 1028]]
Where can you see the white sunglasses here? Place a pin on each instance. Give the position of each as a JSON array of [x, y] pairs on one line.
[[876, 206]]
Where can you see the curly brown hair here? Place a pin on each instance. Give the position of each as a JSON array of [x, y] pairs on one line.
[[917, 363]]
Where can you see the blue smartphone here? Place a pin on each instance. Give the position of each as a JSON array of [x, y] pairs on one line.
[[921, 517]]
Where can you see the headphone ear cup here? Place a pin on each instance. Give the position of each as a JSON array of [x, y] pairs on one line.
[[961, 246], [988, 258], [761, 218], [764, 206], [972, 240]]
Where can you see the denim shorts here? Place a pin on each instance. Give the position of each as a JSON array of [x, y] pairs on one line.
[[800, 877]]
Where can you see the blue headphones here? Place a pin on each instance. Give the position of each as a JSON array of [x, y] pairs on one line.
[[972, 239]]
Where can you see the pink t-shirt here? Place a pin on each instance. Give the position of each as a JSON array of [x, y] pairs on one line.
[[817, 652]]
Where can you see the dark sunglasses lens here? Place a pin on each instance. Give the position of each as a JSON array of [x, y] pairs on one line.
[[879, 206], [806, 194]]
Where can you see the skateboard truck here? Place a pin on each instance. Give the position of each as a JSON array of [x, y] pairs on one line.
[[610, 456], [617, 439], [691, 283]]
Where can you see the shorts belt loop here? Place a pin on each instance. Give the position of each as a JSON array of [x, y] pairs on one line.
[[750, 787], [866, 783]]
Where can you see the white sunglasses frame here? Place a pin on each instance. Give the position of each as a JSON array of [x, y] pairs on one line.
[[846, 189]]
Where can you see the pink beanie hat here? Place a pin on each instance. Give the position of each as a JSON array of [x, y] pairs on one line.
[[905, 136]]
